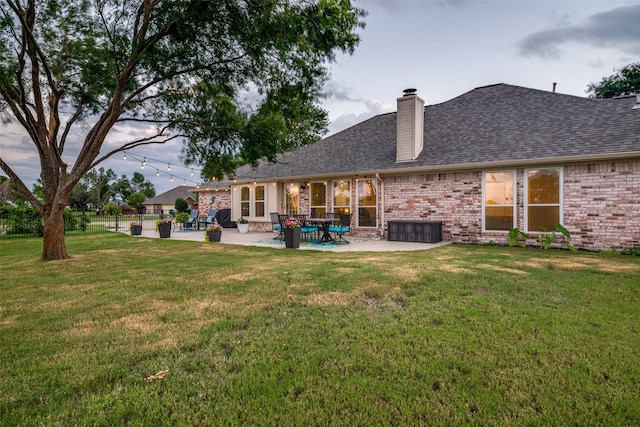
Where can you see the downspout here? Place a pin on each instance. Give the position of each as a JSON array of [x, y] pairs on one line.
[[381, 204]]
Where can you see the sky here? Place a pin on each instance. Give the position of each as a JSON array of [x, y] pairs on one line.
[[442, 48]]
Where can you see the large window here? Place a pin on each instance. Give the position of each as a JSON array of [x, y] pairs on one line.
[[253, 201], [318, 199], [367, 203], [259, 201], [499, 200], [543, 198], [245, 201], [342, 197]]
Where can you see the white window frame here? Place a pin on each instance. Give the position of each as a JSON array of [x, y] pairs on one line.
[[311, 196], [333, 195], [255, 201], [514, 205], [560, 204], [357, 203]]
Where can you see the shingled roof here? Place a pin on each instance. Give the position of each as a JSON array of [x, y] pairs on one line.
[[170, 197], [496, 125]]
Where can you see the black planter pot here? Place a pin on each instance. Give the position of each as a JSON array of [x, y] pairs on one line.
[[165, 230], [136, 230], [292, 238], [214, 236]]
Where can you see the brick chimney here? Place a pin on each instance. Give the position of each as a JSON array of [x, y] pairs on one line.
[[410, 126]]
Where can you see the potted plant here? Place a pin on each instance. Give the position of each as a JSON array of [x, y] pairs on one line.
[[135, 228], [292, 233], [163, 226], [182, 217], [213, 233], [243, 225]]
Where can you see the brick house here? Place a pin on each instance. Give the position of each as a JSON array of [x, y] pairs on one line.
[[165, 202], [492, 159]]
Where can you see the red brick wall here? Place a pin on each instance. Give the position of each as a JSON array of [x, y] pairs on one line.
[[453, 198], [601, 204], [222, 201]]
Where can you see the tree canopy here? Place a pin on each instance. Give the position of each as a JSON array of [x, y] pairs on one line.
[[625, 81], [181, 67]]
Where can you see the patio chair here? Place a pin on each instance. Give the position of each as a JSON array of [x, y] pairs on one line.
[[342, 228], [306, 229], [193, 220], [210, 219], [277, 224]]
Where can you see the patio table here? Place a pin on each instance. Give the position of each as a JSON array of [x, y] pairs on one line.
[[323, 224]]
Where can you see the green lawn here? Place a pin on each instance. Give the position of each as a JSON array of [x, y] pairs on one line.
[[459, 335]]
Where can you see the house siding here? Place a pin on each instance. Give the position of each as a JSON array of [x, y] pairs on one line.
[[454, 198], [601, 204], [222, 201]]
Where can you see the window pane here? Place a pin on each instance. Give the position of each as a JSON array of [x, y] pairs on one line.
[[318, 194], [367, 193], [366, 217], [318, 212], [260, 192], [339, 211], [367, 203], [244, 201], [341, 193], [244, 194], [260, 209], [499, 217], [544, 186], [499, 188], [543, 216]]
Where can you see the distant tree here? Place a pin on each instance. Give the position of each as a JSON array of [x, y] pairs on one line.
[[141, 185], [100, 187], [122, 188], [182, 205], [80, 197], [626, 81], [180, 67], [136, 200]]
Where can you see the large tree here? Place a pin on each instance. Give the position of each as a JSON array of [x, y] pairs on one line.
[[625, 81], [182, 66]]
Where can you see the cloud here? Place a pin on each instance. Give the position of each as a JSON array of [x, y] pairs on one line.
[[339, 91], [618, 28], [373, 108]]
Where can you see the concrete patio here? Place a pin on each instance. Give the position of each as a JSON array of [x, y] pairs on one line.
[[266, 239]]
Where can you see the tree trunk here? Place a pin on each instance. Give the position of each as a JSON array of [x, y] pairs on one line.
[[53, 246]]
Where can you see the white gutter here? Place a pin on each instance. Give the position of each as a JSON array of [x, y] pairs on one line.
[[629, 155], [382, 205]]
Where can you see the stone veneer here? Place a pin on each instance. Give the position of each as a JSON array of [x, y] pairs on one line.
[[601, 204], [222, 201]]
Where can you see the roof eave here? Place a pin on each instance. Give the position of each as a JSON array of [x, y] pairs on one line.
[[455, 167]]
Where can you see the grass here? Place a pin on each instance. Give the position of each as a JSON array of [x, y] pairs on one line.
[[457, 335]]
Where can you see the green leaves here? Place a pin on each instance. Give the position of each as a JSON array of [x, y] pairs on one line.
[[625, 81]]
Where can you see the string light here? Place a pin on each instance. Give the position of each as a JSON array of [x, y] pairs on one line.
[[143, 165]]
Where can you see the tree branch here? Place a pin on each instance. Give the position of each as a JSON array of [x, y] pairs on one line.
[[21, 186], [133, 144]]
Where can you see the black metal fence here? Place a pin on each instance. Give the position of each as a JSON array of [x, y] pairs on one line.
[[26, 222]]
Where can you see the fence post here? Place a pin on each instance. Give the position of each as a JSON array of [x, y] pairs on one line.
[[117, 217]]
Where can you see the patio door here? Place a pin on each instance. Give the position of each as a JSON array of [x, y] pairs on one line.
[[292, 199]]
